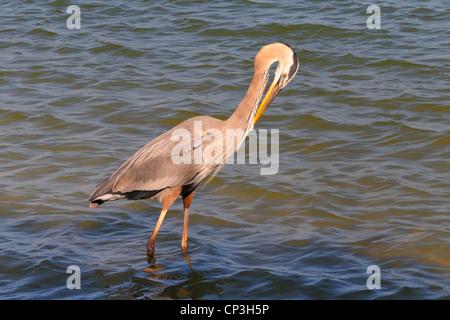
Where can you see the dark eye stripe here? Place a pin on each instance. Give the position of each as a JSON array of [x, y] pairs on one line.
[[294, 67]]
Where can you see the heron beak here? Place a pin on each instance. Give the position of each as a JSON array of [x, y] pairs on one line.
[[273, 91]]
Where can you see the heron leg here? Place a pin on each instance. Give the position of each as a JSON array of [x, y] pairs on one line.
[[170, 199], [186, 204]]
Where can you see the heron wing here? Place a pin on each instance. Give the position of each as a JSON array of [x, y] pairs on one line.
[[152, 168]]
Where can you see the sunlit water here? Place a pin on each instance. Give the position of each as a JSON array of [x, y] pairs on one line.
[[363, 174]]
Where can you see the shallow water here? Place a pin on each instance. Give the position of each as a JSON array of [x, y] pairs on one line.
[[364, 141]]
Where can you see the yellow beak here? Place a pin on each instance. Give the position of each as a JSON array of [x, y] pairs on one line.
[[270, 95]]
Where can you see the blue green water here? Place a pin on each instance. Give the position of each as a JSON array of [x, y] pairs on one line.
[[364, 151]]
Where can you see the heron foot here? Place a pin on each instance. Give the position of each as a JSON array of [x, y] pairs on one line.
[[151, 260], [150, 255], [150, 249]]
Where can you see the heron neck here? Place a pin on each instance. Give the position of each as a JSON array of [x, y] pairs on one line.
[[245, 113]]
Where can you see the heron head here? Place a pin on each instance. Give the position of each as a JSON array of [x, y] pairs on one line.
[[286, 70]]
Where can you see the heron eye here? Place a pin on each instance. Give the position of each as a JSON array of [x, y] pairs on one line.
[[285, 75]]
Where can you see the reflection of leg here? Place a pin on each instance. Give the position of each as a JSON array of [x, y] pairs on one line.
[[166, 205], [186, 204]]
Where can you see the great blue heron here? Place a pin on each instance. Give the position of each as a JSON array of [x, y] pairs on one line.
[[165, 167]]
